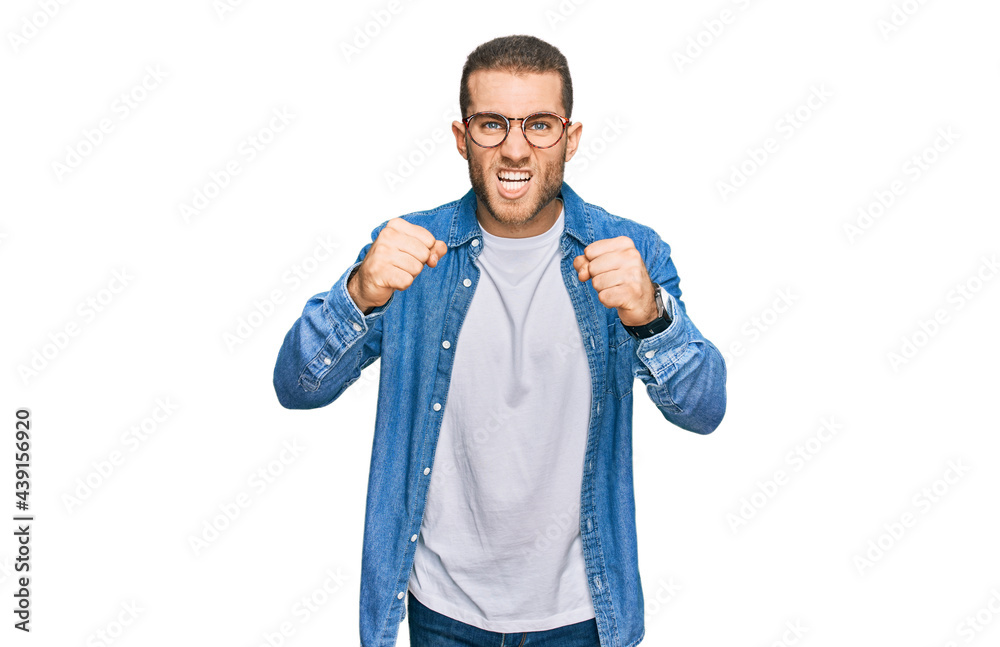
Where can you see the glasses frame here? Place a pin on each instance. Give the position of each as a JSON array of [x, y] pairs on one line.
[[564, 120]]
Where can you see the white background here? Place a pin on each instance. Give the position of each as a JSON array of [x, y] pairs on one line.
[[854, 300]]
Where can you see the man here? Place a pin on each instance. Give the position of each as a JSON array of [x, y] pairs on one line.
[[511, 325]]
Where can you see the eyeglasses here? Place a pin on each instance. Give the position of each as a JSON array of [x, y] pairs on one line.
[[490, 129]]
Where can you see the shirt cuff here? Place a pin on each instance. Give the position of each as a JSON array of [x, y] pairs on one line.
[[376, 311], [347, 325], [667, 347]]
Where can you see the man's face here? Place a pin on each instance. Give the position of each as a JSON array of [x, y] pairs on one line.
[[515, 203]]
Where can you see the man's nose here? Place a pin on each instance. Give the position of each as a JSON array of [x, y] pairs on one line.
[[515, 147]]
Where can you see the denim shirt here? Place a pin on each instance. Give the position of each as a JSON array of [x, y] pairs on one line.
[[415, 335]]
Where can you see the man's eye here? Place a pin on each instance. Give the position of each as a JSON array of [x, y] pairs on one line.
[[538, 126], [493, 125]]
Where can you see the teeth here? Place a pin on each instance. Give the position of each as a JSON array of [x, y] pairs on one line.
[[514, 175], [511, 186]]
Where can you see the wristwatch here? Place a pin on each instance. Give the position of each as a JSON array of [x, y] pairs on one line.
[[661, 323]]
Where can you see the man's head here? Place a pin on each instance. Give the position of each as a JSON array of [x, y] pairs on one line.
[[516, 76], [521, 55]]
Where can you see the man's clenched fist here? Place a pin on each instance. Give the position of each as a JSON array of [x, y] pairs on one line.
[[616, 270], [398, 254]]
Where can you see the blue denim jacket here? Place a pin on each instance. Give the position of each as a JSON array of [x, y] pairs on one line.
[[415, 332]]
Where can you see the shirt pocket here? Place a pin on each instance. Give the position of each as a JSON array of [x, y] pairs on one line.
[[621, 353]]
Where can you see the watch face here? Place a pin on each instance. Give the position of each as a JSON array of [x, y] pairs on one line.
[[661, 308]]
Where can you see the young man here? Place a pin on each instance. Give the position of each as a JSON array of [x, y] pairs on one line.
[[511, 325]]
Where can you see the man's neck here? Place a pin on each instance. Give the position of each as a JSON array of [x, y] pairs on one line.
[[537, 226]]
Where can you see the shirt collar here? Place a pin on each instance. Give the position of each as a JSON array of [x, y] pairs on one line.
[[576, 219]]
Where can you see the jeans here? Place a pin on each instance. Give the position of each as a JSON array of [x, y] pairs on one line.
[[428, 628]]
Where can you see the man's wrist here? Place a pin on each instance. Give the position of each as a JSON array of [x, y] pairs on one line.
[[658, 324], [352, 292]]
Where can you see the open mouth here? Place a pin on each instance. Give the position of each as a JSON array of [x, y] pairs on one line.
[[513, 184]]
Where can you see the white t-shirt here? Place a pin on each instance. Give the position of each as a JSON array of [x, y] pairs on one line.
[[499, 547]]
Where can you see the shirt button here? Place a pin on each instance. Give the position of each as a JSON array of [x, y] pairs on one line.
[[356, 326], [475, 242], [446, 343], [650, 353], [399, 596], [413, 537], [327, 361], [466, 282], [437, 406], [427, 471]]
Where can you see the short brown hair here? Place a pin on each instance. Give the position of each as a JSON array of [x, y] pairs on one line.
[[517, 54]]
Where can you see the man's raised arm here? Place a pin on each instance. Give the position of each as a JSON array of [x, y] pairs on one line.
[[684, 373], [340, 332]]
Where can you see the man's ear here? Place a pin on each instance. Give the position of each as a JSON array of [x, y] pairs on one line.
[[458, 128], [573, 133]]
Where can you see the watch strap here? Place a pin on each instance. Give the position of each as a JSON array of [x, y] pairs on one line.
[[658, 325]]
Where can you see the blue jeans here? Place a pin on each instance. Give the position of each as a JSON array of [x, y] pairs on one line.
[[428, 628]]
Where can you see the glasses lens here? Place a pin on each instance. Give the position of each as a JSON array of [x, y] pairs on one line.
[[543, 130], [488, 129]]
